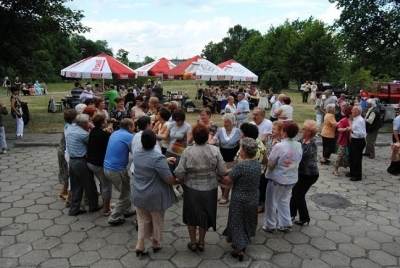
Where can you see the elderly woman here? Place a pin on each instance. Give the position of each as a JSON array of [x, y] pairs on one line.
[[283, 164], [205, 120], [152, 192], [230, 107], [178, 134], [227, 138], [242, 219], [343, 140], [198, 170], [328, 133], [308, 173], [100, 105]]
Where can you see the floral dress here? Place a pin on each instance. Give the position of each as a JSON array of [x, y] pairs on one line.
[[242, 218]]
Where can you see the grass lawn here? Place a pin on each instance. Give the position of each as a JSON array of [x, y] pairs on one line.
[[44, 122]]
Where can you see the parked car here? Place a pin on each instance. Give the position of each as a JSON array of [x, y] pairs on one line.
[[337, 90]]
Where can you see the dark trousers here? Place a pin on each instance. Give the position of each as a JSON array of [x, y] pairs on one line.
[[298, 201], [305, 97], [82, 180], [355, 159], [263, 189], [328, 147]]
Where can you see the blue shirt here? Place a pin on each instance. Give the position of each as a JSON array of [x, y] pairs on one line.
[[117, 154], [242, 109], [76, 140], [396, 123]]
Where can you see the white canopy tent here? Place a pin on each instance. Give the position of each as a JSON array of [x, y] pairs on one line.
[[203, 69], [238, 72]]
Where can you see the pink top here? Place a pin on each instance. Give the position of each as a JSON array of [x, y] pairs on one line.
[[343, 137]]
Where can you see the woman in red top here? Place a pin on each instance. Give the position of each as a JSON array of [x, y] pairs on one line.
[[343, 128]]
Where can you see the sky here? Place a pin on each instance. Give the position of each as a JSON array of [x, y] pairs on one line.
[[181, 28]]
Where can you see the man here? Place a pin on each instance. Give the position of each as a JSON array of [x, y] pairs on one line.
[[111, 95], [242, 109], [306, 88], [373, 121], [330, 98], [357, 144], [276, 106], [115, 169], [264, 125], [396, 129], [87, 94], [75, 94], [81, 178]]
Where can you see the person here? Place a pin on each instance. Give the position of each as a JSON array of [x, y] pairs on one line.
[[242, 109], [228, 140], [357, 144], [285, 112], [3, 142], [263, 124], [38, 88], [97, 146], [328, 134], [81, 178], [130, 99], [329, 98], [308, 173], [152, 192], [319, 110], [111, 95], [16, 112], [198, 170], [283, 164], [137, 110], [161, 128], [276, 106], [242, 217], [313, 95], [343, 139], [87, 94], [230, 107], [306, 91], [394, 167], [118, 113], [154, 104], [178, 135], [157, 91], [115, 169], [205, 120], [373, 123], [100, 105]]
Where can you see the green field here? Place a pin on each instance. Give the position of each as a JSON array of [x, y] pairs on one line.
[[44, 122]]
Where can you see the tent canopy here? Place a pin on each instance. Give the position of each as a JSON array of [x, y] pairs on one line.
[[159, 67], [237, 71], [102, 66], [199, 69]]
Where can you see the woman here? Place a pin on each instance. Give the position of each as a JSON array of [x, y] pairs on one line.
[[118, 113], [198, 170], [153, 108], [328, 134], [152, 192], [343, 139], [16, 111], [227, 138], [308, 173], [283, 164], [230, 107], [178, 135], [100, 105], [319, 109], [242, 218], [285, 112], [137, 110], [161, 128], [205, 120], [96, 151]]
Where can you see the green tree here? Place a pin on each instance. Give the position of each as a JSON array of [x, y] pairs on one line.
[[122, 56], [359, 79], [371, 33]]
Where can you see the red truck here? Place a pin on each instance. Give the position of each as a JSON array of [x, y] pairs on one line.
[[387, 92]]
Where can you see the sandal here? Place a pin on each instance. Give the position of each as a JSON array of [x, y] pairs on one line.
[[192, 246]]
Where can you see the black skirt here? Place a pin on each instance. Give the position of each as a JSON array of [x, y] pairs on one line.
[[200, 208], [229, 154]]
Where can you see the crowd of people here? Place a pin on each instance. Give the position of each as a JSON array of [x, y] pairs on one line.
[[27, 89]]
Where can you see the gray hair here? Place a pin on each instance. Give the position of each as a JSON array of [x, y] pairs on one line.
[[330, 108], [372, 102], [82, 119], [249, 146], [230, 117]]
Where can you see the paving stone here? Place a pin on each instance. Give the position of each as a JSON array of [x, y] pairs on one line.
[[118, 238], [55, 263], [49, 214], [82, 226], [323, 243], [392, 248], [40, 224], [13, 229], [23, 203], [12, 212], [232, 262], [159, 264], [56, 230], [379, 236], [366, 243], [112, 251], [5, 241], [364, 263], [286, 260], [338, 237], [26, 218], [92, 244], [352, 250], [382, 258], [36, 208], [306, 251], [107, 264], [9, 262], [35, 257], [186, 259], [313, 231], [335, 258], [262, 264], [168, 251], [84, 258], [73, 237], [65, 250], [212, 264], [279, 245], [46, 243], [5, 221], [314, 264], [16, 250], [65, 219], [29, 236], [297, 238], [130, 260]]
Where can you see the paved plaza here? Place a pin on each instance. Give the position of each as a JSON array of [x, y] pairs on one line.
[[357, 225]]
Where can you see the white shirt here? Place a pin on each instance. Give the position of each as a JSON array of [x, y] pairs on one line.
[[136, 146], [287, 112], [264, 129], [358, 128], [230, 108], [275, 107]]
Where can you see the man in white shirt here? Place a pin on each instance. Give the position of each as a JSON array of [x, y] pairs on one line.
[[357, 144], [276, 106], [264, 125], [242, 109]]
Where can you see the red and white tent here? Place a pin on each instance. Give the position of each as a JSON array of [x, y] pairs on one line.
[[102, 66], [199, 69], [238, 71], [159, 67]]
